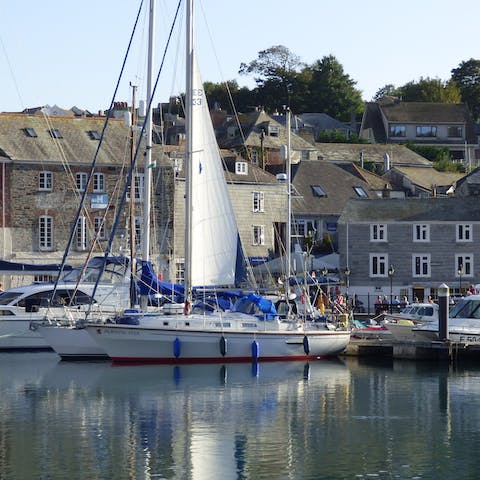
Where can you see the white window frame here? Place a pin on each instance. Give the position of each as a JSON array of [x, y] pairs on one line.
[[421, 265], [466, 261], [45, 181], [180, 270], [81, 234], [138, 182], [138, 230], [258, 202], [45, 232], [81, 178], [464, 232], [378, 232], [241, 168], [378, 265], [258, 235], [421, 232], [98, 182], [99, 228]]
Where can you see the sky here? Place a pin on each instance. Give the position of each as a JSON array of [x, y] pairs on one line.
[[70, 53]]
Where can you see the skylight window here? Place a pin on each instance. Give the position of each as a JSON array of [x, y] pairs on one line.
[[360, 191], [55, 133], [94, 135], [318, 191], [30, 132]]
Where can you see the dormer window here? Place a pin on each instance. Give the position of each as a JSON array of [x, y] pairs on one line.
[[426, 131], [398, 131], [318, 191], [241, 168], [273, 131], [30, 132], [455, 132], [55, 133]]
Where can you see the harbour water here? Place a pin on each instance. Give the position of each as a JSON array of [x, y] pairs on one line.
[[335, 419]]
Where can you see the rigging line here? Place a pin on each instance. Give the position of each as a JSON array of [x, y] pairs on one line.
[[134, 162], [100, 143], [12, 73]]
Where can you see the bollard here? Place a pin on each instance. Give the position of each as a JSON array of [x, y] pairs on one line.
[[443, 304]]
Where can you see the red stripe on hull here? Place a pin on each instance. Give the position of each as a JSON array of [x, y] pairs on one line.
[[184, 361]]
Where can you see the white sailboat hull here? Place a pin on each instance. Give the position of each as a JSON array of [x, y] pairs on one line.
[[71, 343], [15, 333], [147, 344]]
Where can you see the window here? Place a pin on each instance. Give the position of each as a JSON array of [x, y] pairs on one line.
[[30, 132], [254, 155], [94, 135], [398, 131], [301, 228], [138, 181], [98, 182], [55, 133], [45, 232], [99, 228], [378, 265], [241, 168], [138, 231], [180, 271], [81, 233], [464, 232], [305, 154], [421, 265], [464, 265], [81, 181], [426, 131], [258, 235], [318, 191], [360, 191], [378, 232], [456, 132], [421, 233], [273, 131], [258, 201], [45, 180]]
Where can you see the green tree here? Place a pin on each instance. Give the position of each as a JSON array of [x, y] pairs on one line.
[[332, 91], [275, 72], [388, 90], [430, 90], [467, 78]]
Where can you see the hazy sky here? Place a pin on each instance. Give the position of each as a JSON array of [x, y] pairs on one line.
[[69, 52]]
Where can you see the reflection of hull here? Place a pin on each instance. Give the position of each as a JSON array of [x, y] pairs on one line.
[[71, 343], [126, 343]]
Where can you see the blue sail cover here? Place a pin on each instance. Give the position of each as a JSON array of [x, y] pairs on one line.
[[150, 284], [31, 269]]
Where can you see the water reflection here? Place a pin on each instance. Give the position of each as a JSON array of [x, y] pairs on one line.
[[321, 420]]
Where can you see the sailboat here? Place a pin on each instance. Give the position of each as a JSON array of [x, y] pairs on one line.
[[251, 330]]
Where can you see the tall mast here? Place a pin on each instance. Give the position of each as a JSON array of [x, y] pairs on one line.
[[288, 240], [188, 150], [148, 139]]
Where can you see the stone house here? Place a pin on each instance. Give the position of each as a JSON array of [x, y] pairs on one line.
[[424, 242]]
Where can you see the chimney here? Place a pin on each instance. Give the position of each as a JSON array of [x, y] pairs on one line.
[[386, 162], [361, 158]]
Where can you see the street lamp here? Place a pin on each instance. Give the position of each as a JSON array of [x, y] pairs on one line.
[[391, 273], [347, 279], [460, 273]]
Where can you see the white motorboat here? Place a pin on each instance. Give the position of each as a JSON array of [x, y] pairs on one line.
[[44, 303], [252, 330], [401, 324], [463, 323]]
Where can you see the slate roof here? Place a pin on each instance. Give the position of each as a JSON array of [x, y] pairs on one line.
[[434, 209], [350, 152], [376, 182], [336, 182], [427, 177], [76, 145]]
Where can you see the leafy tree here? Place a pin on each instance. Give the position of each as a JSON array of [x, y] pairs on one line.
[[430, 152], [339, 137], [430, 90], [332, 91], [388, 90], [228, 96], [467, 78], [276, 71]]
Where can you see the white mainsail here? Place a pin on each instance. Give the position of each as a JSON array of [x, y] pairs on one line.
[[214, 229]]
